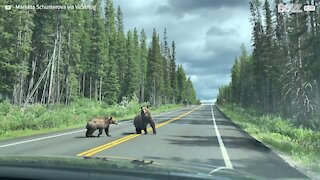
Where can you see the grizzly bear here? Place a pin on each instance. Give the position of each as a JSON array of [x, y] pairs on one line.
[[99, 123], [142, 120]]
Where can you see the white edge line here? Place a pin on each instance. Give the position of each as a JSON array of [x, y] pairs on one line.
[[42, 138], [223, 149], [63, 134]]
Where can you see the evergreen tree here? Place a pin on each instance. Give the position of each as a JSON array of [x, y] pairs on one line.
[[55, 56], [122, 62], [131, 83], [173, 76], [153, 70], [279, 77], [181, 84], [166, 68], [16, 28], [143, 65], [111, 86]]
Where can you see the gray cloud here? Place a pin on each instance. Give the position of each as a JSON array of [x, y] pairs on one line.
[[208, 35], [189, 5], [217, 31]]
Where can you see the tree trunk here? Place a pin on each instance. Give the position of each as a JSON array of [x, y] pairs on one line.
[[35, 89], [44, 92], [21, 90], [95, 89], [142, 90], [79, 85], [154, 92], [32, 76], [58, 70], [68, 91], [100, 90], [52, 70], [15, 95], [90, 87], [83, 84]]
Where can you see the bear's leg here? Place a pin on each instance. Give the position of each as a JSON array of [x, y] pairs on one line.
[[145, 130], [107, 131], [138, 131], [89, 132], [100, 132]]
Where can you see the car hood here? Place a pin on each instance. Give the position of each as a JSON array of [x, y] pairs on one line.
[[105, 163]]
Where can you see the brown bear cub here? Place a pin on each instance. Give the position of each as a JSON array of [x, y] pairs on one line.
[[142, 120], [99, 123]]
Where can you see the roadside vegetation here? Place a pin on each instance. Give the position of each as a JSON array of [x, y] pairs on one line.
[[274, 91], [36, 118], [81, 64], [302, 144]]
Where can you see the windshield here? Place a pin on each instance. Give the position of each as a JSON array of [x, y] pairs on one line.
[[209, 87]]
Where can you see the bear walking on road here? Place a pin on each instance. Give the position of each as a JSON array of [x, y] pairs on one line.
[[99, 123], [142, 120]]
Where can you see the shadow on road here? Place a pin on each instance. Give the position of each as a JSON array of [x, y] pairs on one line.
[[194, 141], [128, 133], [193, 121], [86, 137], [229, 142]]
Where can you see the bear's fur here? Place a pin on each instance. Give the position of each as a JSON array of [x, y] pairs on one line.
[[142, 120], [99, 123]]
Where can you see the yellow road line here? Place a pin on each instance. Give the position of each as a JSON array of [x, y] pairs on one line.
[[103, 147]]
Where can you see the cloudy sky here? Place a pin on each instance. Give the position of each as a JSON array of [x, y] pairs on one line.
[[208, 34]]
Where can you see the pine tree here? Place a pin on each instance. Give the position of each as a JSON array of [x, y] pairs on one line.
[[55, 56], [15, 46], [181, 84], [191, 97], [131, 83], [136, 63], [279, 77], [173, 76], [120, 52], [84, 66], [153, 70], [111, 86], [23, 25], [235, 78], [259, 66], [98, 54], [143, 65], [69, 73], [166, 67]]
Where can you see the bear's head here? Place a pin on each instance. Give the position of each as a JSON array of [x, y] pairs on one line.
[[111, 120], [145, 112]]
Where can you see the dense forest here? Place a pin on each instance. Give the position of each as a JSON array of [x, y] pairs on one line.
[[282, 74], [55, 56]]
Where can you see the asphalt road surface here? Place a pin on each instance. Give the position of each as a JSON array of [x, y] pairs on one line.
[[194, 136]]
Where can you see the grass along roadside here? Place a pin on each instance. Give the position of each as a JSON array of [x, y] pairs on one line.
[[37, 119], [301, 145]]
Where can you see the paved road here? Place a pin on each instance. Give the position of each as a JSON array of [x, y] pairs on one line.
[[195, 136]]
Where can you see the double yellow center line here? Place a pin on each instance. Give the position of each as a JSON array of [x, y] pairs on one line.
[[103, 147]]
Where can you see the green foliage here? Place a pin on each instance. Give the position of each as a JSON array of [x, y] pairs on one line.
[[302, 144], [52, 58], [279, 77], [5, 108], [38, 117], [173, 74]]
